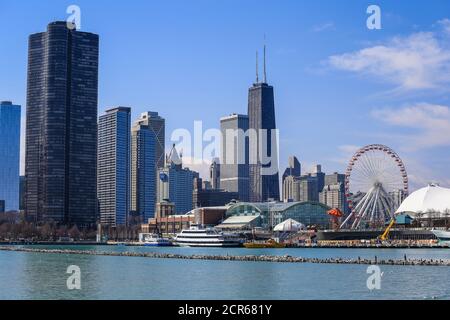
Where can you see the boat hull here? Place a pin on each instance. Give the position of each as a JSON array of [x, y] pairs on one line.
[[157, 244], [199, 244], [442, 235]]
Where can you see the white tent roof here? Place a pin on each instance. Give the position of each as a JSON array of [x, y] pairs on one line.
[[429, 199], [289, 225]]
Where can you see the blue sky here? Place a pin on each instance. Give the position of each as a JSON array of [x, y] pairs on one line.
[[338, 85]]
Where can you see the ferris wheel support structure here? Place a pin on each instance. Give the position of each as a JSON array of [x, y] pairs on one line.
[[373, 175]]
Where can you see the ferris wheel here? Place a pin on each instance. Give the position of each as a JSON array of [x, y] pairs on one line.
[[374, 177]]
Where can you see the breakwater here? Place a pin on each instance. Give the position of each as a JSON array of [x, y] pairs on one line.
[[250, 258]]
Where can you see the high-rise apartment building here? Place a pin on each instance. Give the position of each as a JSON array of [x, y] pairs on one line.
[[9, 155], [113, 176], [61, 132]]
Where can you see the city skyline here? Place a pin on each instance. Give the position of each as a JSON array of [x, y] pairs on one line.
[[377, 94]]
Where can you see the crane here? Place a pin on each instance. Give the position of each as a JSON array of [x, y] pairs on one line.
[[385, 234]]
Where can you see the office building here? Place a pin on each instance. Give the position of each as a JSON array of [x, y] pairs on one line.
[[214, 173], [303, 188], [175, 183], [61, 132], [157, 126], [333, 195], [317, 173], [294, 168], [9, 155], [234, 167], [113, 176], [22, 193], [264, 176], [143, 170]]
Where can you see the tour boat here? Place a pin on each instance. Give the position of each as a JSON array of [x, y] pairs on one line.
[[199, 237], [153, 240], [442, 235]]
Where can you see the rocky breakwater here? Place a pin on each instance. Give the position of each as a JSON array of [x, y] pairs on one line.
[[248, 258]]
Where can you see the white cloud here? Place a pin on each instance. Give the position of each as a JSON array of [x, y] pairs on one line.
[[445, 24], [418, 61], [344, 154], [430, 124], [199, 165]]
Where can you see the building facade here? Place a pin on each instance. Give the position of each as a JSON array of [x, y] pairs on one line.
[[114, 158], [333, 193], [214, 173], [270, 214], [175, 183], [320, 177], [264, 176], [10, 155], [234, 167], [61, 131], [157, 126], [303, 188], [143, 170], [294, 168], [212, 197]]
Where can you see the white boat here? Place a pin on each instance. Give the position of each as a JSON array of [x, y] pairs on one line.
[[199, 237], [153, 240], [442, 235]]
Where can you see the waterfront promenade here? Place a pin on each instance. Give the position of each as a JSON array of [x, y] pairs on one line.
[[241, 258]]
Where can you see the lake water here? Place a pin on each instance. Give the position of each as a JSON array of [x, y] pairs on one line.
[[43, 276]]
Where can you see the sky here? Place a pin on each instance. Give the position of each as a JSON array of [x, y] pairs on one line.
[[338, 84]]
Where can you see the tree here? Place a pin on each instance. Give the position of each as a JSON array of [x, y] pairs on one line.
[[74, 232]]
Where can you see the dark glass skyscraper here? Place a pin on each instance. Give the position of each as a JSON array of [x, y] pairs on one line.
[[261, 114], [61, 132]]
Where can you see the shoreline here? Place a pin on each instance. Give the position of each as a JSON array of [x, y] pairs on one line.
[[320, 246], [246, 258]]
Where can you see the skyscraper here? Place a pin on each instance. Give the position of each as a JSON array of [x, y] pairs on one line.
[[294, 168], [333, 193], [61, 132], [303, 188], [214, 173], [157, 126], [234, 166], [264, 176], [143, 169], [317, 172], [9, 155], [176, 183], [113, 177]]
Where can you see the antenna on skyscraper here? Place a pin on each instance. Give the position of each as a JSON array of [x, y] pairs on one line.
[[257, 73], [265, 75]]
